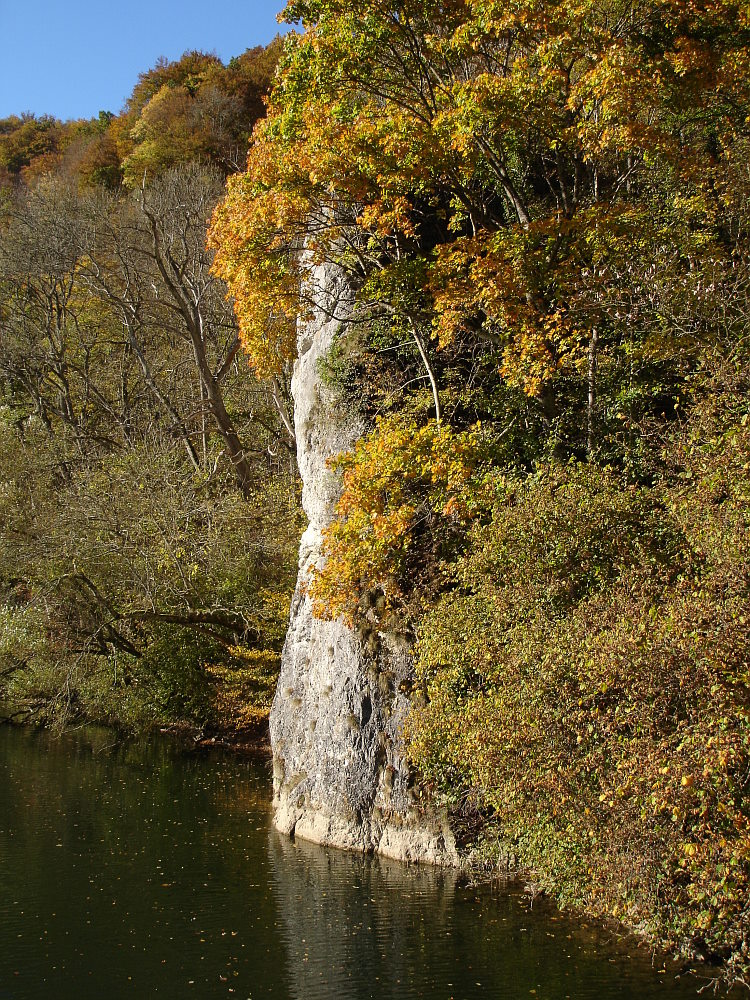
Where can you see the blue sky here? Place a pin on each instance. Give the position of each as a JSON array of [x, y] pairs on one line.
[[74, 58]]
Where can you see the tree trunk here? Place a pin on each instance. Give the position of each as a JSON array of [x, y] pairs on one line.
[[593, 360]]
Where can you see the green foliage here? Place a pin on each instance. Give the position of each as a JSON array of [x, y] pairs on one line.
[[147, 527], [491, 170], [543, 209], [587, 681], [544, 212], [193, 108], [337, 369], [122, 601]]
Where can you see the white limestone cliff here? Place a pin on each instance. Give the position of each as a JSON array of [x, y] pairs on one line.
[[340, 777]]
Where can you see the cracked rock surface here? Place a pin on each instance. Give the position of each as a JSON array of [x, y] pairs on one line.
[[339, 773]]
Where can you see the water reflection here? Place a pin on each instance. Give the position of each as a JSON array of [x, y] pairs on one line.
[[359, 927], [132, 870], [140, 870], [356, 928]]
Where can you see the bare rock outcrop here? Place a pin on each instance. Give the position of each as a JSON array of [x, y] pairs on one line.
[[339, 773]]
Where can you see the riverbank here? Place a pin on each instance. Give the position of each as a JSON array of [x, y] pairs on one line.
[[254, 742]]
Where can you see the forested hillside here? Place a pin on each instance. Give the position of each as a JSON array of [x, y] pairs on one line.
[[544, 209], [148, 497]]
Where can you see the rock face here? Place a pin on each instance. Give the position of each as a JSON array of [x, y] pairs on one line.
[[339, 774]]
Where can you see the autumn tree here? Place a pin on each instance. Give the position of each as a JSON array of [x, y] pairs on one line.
[[194, 108], [25, 139], [191, 108], [514, 153], [542, 184]]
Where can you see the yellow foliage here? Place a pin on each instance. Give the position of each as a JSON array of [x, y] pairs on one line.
[[395, 479]]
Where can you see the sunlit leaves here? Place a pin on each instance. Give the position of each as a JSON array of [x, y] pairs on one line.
[[396, 480], [427, 124]]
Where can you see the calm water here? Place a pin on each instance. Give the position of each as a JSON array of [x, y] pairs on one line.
[[141, 870]]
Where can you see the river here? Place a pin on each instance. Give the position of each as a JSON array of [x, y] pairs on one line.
[[140, 869]]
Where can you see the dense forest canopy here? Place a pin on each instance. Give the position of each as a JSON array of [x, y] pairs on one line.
[[543, 208], [194, 108]]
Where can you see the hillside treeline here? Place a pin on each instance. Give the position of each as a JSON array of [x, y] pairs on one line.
[[194, 108], [544, 210], [148, 497]]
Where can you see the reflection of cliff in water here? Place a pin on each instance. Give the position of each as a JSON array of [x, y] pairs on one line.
[[356, 926]]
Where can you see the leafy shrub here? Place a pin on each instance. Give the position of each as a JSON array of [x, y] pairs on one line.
[[588, 683]]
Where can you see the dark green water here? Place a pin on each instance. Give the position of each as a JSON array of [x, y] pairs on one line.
[[142, 870]]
